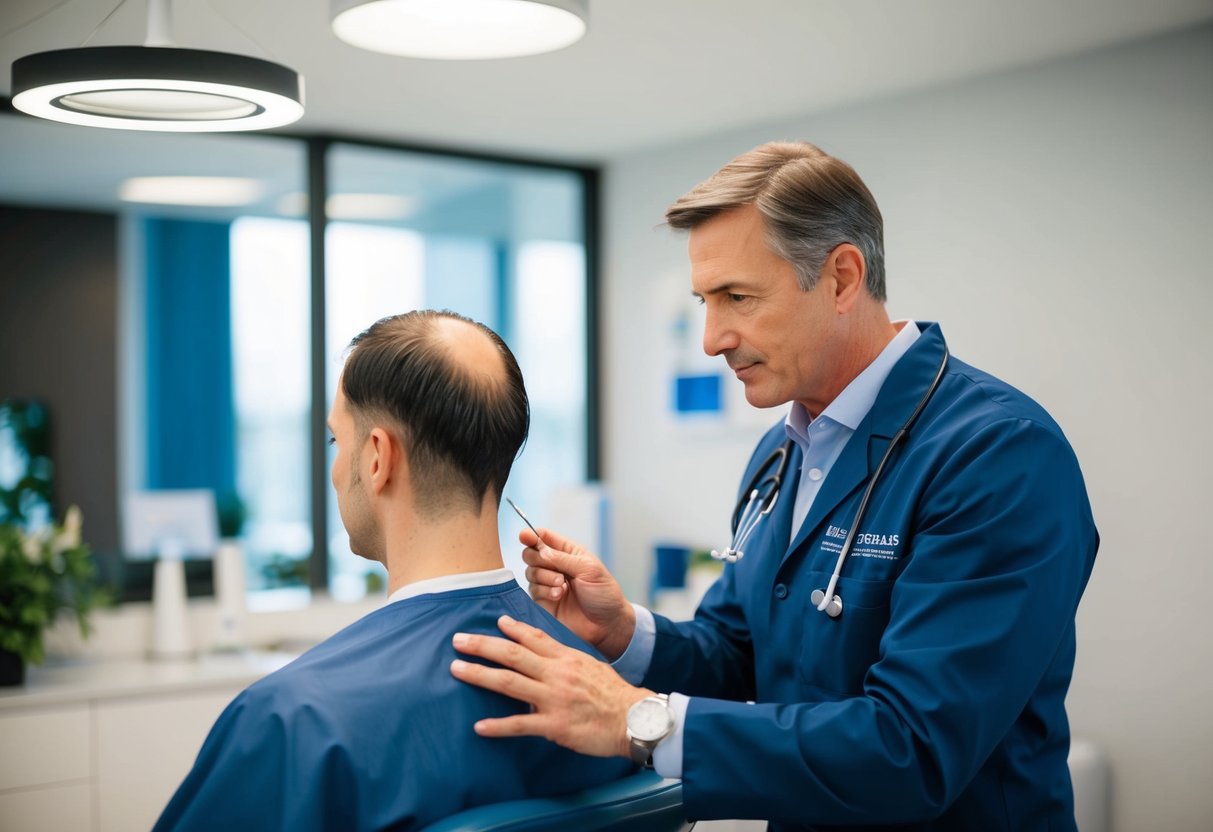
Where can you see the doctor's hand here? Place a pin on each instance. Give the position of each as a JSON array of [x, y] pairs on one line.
[[573, 585], [576, 701]]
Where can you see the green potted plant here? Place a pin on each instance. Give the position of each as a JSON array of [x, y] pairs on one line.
[[42, 574]]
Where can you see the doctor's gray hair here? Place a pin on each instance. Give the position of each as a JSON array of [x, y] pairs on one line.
[[461, 424], [810, 201]]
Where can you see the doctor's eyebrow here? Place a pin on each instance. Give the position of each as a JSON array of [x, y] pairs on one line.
[[723, 289], [715, 290]]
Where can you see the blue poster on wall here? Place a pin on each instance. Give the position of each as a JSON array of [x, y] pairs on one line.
[[697, 387], [698, 393]]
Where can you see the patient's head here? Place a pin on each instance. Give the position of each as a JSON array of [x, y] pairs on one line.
[[450, 391]]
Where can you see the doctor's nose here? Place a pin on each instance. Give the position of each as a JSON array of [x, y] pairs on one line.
[[718, 338]]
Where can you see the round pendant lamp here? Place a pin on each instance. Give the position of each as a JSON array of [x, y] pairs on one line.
[[157, 86], [460, 29]]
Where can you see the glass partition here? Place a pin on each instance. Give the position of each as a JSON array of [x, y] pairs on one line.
[[206, 320], [502, 244], [222, 365], [185, 358]]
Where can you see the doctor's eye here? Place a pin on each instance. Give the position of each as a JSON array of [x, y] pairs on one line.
[[736, 298], [332, 440]]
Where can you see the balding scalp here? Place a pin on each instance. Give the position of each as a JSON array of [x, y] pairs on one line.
[[455, 396]]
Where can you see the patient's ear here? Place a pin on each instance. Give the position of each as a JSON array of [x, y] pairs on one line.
[[386, 454]]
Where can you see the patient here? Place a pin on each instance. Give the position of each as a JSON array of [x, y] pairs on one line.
[[369, 730]]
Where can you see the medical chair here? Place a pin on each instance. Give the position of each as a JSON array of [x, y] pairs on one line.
[[642, 802]]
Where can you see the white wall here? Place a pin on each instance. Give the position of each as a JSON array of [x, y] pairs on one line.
[[1057, 222]]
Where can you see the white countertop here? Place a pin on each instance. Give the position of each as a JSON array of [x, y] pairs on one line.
[[80, 681]]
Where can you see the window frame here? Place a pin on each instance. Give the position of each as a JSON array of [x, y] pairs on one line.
[[317, 179]]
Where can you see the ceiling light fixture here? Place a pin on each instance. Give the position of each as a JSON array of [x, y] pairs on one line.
[[157, 86], [460, 29], [208, 191], [352, 206]]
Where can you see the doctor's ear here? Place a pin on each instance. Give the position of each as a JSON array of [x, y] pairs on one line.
[[846, 265]]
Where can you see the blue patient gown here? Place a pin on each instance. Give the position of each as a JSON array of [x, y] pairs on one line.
[[369, 730]]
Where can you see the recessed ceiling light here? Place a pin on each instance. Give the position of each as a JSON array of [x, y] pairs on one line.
[[293, 204], [209, 191], [369, 207], [352, 206], [460, 29]]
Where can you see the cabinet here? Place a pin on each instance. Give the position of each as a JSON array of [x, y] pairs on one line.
[[63, 807], [102, 748], [45, 770], [145, 747]]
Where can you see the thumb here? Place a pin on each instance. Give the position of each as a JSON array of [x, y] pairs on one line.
[[555, 540]]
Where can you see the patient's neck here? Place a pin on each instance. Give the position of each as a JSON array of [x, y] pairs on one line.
[[419, 547]]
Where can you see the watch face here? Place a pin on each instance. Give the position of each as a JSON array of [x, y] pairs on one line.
[[649, 720]]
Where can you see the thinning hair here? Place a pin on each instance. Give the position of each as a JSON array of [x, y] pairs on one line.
[[461, 424], [810, 201]]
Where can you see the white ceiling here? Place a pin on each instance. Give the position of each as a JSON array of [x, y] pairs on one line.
[[650, 72]]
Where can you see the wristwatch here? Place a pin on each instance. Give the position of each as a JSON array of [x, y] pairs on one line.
[[649, 722]]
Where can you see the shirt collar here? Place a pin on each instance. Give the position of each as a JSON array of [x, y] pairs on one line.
[[851, 405], [448, 583]]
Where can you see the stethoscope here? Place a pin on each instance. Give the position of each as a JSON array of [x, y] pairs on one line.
[[763, 493]]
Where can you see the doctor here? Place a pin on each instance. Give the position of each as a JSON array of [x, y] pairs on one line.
[[908, 670]]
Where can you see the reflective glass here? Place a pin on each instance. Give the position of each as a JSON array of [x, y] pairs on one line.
[[502, 244]]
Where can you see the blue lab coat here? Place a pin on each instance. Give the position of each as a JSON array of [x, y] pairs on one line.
[[369, 730], [936, 700]]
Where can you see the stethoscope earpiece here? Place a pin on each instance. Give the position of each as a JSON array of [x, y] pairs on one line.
[[832, 609], [729, 555]]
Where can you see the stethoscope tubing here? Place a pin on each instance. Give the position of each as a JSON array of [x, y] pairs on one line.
[[758, 482], [746, 515], [750, 518], [860, 512], [749, 511]]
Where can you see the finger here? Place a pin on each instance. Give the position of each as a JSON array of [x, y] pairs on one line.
[[554, 558], [501, 651], [547, 597], [522, 725], [535, 640], [545, 583], [548, 577], [506, 682], [543, 577], [534, 557], [553, 590]]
